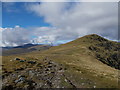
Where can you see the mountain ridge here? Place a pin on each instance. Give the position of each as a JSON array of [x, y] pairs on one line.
[[96, 44], [26, 48], [88, 62]]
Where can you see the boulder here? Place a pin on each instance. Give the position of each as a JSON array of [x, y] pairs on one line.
[[19, 69], [32, 62], [16, 59]]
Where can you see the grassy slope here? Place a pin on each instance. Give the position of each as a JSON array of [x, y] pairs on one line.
[[82, 67]]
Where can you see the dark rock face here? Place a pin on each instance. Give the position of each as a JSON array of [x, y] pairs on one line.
[[45, 75], [107, 52]]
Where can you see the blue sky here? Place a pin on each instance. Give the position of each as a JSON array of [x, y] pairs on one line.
[[17, 14]]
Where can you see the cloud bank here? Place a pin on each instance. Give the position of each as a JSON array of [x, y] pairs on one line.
[[68, 22], [78, 19], [19, 36]]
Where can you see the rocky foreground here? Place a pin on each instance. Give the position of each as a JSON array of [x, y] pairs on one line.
[[46, 74]]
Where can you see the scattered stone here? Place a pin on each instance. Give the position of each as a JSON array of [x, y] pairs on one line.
[[17, 59], [32, 62], [83, 83], [21, 78], [19, 69], [44, 75], [65, 80], [22, 60], [11, 60], [49, 62], [34, 84], [94, 86], [16, 81], [47, 69], [52, 72], [50, 66], [60, 69]]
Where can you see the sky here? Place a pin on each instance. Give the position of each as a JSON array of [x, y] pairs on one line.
[[56, 22], [16, 14], [60, 0]]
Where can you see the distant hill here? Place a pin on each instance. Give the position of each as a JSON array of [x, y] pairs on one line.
[[23, 49], [26, 45], [22, 46]]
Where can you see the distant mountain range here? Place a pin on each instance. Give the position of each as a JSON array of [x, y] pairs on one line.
[[23, 49], [22, 46]]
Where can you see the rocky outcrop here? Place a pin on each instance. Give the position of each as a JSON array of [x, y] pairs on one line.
[[48, 74], [107, 52]]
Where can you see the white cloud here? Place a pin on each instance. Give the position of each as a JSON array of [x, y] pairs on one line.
[[44, 39], [13, 36], [19, 36], [69, 21], [78, 19]]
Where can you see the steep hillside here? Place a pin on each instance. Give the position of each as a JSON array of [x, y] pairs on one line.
[[87, 62], [92, 45]]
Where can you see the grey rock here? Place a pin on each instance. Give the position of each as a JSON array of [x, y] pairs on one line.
[[17, 59]]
